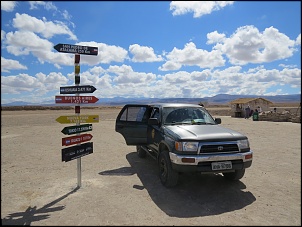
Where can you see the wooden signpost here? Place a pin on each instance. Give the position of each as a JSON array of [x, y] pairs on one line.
[[81, 149]]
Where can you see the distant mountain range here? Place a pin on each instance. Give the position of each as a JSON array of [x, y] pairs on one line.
[[220, 99]]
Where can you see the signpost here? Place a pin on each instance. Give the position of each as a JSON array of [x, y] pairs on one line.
[[71, 140], [75, 99], [77, 89], [76, 49], [77, 129], [78, 119], [77, 151], [80, 150]]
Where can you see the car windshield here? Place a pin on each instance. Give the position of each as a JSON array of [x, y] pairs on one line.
[[186, 115]]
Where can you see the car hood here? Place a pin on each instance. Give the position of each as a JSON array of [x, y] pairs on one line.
[[202, 132]]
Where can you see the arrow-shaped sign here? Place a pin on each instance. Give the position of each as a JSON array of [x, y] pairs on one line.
[[77, 151], [75, 99], [77, 89], [76, 139], [77, 129], [78, 119], [76, 49]]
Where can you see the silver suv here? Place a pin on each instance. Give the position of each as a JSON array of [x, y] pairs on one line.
[[184, 138]]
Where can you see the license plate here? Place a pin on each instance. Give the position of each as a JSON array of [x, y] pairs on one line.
[[221, 165]]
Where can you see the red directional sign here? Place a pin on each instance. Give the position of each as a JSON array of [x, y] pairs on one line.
[[76, 139], [75, 99]]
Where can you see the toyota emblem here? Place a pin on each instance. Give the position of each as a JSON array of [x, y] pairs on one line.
[[220, 148]]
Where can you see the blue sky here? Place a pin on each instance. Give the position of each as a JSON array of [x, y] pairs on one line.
[[151, 49]]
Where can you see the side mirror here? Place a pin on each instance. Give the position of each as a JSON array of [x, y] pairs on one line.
[[218, 120], [153, 121]]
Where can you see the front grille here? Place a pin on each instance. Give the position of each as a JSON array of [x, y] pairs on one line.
[[218, 148]]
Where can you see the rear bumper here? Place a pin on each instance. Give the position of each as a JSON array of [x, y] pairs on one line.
[[202, 163]]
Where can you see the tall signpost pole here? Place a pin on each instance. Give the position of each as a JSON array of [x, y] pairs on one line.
[[81, 149], [77, 112]]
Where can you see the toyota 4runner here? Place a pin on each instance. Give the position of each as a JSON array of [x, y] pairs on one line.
[[184, 138]]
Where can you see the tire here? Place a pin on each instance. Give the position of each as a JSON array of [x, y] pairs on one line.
[[141, 152], [168, 176], [234, 176]]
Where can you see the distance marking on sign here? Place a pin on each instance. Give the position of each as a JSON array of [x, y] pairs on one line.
[[77, 151], [77, 89], [78, 119], [67, 141], [76, 49], [75, 99], [77, 129]]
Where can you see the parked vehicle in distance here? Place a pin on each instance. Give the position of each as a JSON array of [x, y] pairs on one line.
[[184, 138]]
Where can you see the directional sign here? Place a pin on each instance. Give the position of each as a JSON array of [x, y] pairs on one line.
[[77, 151], [78, 119], [77, 129], [76, 139], [76, 49], [75, 99], [77, 89]]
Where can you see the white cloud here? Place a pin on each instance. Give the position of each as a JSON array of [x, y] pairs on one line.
[[9, 64], [46, 4], [106, 54], [126, 75], [39, 84], [199, 8], [191, 56], [298, 40], [287, 66], [143, 54], [248, 45], [24, 22], [124, 81], [8, 6], [23, 42], [3, 33], [22, 82], [215, 37], [170, 65]]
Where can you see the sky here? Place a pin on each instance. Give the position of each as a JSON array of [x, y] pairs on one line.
[[151, 49]]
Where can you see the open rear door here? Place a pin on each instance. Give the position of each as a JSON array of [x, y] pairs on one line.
[[131, 122]]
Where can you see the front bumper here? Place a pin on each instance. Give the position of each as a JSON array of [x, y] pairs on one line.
[[202, 163]]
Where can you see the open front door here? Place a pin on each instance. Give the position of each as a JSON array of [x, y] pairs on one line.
[[131, 122]]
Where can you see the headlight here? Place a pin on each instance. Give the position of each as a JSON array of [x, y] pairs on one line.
[[243, 144], [186, 146]]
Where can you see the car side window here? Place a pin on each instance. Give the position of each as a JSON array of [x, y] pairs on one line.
[[155, 113], [140, 114]]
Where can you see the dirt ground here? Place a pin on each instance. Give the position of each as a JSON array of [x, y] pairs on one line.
[[118, 188]]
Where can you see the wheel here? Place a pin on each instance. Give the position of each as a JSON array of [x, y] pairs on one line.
[[141, 152], [238, 174], [168, 176]]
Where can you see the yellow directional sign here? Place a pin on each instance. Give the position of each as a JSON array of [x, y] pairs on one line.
[[78, 119]]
